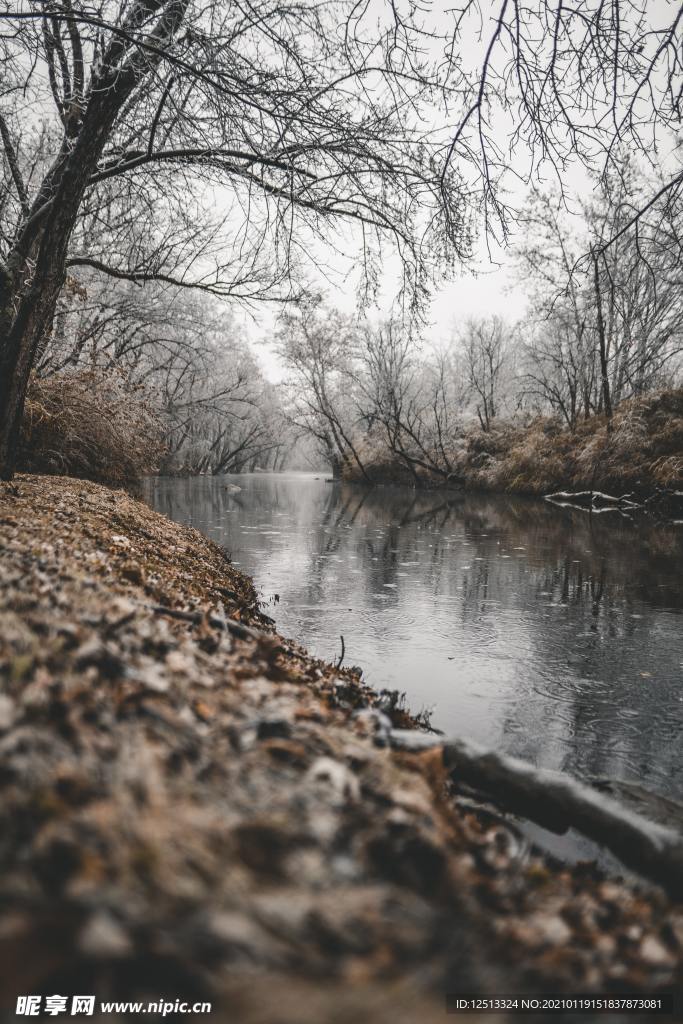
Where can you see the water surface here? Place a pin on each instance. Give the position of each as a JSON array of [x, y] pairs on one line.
[[538, 631]]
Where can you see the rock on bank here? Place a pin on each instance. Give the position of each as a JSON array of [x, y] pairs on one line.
[[190, 815]]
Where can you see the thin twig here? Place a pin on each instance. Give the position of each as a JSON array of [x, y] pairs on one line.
[[236, 629], [343, 651]]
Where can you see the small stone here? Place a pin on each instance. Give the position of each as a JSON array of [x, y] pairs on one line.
[[176, 661], [342, 781], [120, 541], [152, 677], [554, 930], [103, 936], [7, 711], [654, 952]]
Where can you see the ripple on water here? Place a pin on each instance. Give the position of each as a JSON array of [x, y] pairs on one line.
[[572, 690], [495, 648]]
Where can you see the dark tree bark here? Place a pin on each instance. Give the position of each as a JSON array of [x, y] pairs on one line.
[[602, 341], [33, 277]]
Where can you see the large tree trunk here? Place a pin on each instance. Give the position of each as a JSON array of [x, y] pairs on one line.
[[8, 362], [18, 354], [29, 307], [31, 282], [34, 280]]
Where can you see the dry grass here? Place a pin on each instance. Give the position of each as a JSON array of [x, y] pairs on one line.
[[89, 424], [642, 452]]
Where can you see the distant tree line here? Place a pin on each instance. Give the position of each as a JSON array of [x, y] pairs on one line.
[[604, 324], [183, 353]]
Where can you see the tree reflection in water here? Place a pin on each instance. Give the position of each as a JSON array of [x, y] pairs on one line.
[[538, 630]]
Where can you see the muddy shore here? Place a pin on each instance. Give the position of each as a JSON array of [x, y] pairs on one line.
[[191, 812]]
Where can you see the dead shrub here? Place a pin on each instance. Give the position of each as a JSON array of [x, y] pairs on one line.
[[91, 424], [641, 452]]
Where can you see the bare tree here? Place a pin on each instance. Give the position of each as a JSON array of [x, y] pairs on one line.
[[559, 368], [410, 397], [639, 278], [485, 346], [268, 103], [609, 326], [318, 346]]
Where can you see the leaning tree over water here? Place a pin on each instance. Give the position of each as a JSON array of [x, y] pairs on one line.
[[289, 116]]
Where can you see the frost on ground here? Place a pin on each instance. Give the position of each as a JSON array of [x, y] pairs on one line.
[[186, 813]]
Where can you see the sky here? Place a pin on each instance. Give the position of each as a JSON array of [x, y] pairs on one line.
[[494, 290]]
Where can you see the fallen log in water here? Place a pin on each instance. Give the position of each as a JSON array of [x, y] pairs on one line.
[[595, 501], [664, 502], [558, 802]]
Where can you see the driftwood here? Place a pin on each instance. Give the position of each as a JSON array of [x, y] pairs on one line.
[[663, 501], [595, 501], [558, 802]]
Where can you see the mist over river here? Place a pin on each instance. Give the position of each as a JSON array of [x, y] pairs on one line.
[[538, 631]]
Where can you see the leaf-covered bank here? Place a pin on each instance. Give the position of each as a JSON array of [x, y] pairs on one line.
[[190, 811]]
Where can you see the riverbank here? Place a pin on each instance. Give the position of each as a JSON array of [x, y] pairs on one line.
[[640, 452], [198, 812]]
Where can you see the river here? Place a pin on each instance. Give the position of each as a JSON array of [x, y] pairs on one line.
[[531, 629]]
